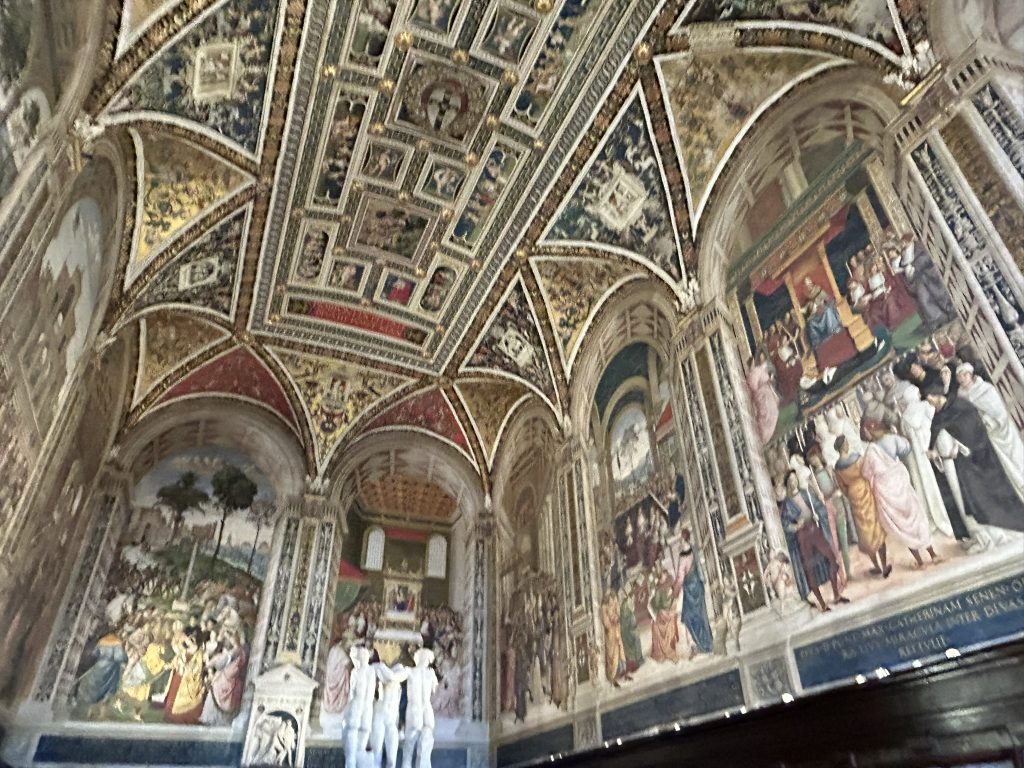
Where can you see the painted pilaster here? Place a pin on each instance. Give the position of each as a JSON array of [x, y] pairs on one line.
[[307, 543], [82, 604], [482, 579], [951, 137]]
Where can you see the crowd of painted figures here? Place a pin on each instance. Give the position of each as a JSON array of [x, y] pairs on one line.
[[441, 632], [534, 654], [653, 605], [925, 449], [163, 656]]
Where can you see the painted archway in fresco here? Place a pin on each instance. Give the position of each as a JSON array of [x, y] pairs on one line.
[[172, 641]]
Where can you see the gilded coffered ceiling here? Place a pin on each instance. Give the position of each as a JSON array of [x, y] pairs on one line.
[[384, 214]]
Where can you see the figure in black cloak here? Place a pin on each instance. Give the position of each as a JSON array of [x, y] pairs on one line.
[[676, 501], [978, 485]]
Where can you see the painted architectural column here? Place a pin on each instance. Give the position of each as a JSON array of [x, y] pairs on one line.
[[579, 520], [297, 612], [960, 141], [482, 584], [82, 604], [731, 499]]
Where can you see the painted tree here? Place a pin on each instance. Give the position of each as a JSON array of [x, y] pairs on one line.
[[260, 513], [233, 490], [181, 496]]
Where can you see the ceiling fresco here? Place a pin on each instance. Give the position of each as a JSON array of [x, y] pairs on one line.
[[714, 96], [573, 289], [237, 373], [215, 74], [429, 411], [409, 213], [204, 275], [179, 183], [490, 403], [621, 201], [168, 341]]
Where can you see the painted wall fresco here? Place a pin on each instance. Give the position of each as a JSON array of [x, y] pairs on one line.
[[40, 48], [533, 665], [23, 109], [621, 200], [894, 460], [532, 645], [393, 605], [655, 611], [172, 641], [216, 75], [45, 346]]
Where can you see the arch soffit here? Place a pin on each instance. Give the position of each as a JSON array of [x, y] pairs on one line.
[[528, 443], [379, 454], [207, 422], [860, 86], [640, 312]]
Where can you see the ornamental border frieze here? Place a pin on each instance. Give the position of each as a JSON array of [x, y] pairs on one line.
[[274, 140]]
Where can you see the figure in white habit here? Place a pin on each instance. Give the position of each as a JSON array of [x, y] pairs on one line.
[[359, 712], [916, 420], [384, 734], [1002, 432], [419, 712]]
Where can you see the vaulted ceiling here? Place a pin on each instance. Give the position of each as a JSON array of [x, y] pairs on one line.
[[404, 214]]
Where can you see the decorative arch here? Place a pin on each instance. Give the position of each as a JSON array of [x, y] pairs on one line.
[[769, 148], [209, 423], [640, 312], [379, 455], [526, 455]]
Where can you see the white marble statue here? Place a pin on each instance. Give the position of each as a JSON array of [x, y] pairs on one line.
[[419, 712], [359, 712], [384, 733]]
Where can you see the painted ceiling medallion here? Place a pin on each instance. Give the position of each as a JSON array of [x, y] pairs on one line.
[[335, 395], [445, 101], [204, 275], [620, 202], [215, 75]]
